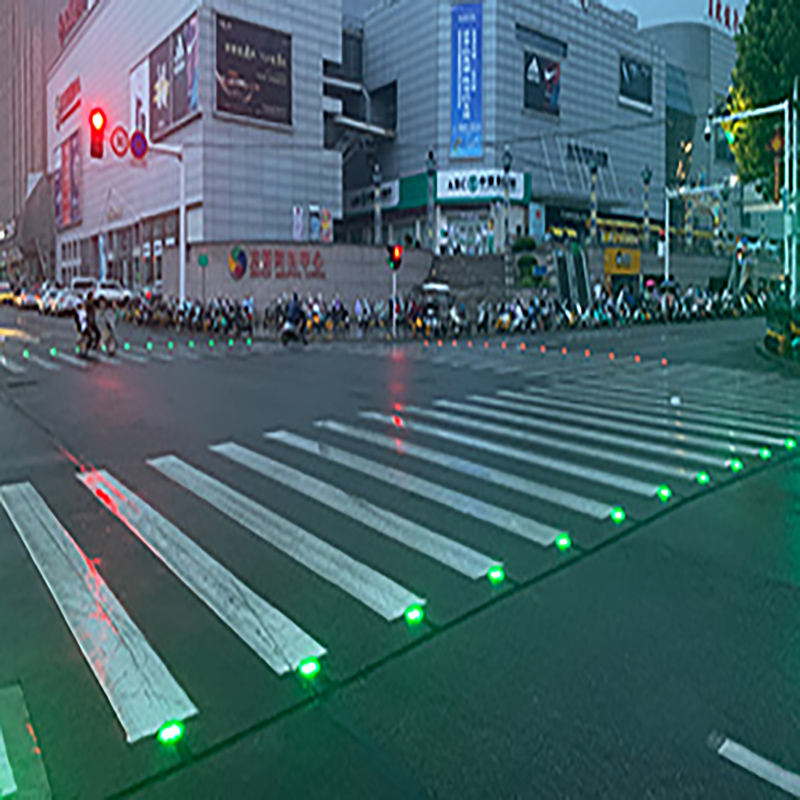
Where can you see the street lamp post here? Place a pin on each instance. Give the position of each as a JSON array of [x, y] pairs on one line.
[[507, 161], [723, 217], [376, 199], [593, 201], [647, 176], [431, 166]]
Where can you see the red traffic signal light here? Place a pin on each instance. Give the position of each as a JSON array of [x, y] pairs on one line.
[[97, 125], [395, 258]]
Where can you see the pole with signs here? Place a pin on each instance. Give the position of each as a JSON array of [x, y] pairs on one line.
[[593, 201], [647, 177], [667, 198], [431, 165], [376, 190]]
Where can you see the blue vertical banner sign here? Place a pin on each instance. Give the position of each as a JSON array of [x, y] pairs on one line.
[[466, 82]]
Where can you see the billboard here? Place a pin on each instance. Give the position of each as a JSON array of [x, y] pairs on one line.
[[171, 76], [635, 83], [466, 81], [542, 84], [67, 173], [253, 71]]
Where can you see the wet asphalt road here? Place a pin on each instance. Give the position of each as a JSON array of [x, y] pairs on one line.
[[616, 662]]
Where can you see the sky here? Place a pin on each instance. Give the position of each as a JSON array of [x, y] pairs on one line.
[[650, 12]]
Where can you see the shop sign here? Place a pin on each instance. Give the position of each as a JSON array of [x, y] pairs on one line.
[[361, 200], [279, 263], [67, 102], [586, 155], [480, 184], [70, 17]]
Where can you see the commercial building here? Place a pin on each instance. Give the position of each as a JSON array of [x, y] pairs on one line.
[[568, 88], [236, 86]]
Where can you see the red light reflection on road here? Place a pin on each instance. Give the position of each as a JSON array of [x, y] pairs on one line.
[[397, 421]]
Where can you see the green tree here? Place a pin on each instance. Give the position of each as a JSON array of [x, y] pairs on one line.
[[768, 49]]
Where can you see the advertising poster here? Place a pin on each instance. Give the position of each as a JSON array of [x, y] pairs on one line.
[[67, 173], [542, 84], [173, 80], [140, 103], [253, 71], [466, 81], [326, 226], [57, 204], [635, 82], [298, 223]]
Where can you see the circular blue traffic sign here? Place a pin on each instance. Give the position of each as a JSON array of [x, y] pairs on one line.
[[138, 145]]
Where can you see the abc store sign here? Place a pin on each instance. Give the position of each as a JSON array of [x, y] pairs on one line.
[[481, 184]]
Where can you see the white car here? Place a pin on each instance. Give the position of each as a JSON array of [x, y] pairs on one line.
[[81, 286], [65, 303], [111, 292]]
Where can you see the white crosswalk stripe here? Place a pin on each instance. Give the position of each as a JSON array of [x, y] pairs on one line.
[[462, 559], [578, 449], [542, 419], [377, 592], [46, 365], [270, 634], [551, 494], [11, 366], [501, 518], [140, 688], [545, 462], [71, 360], [677, 421], [8, 786]]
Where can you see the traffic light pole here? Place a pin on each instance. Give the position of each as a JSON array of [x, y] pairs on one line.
[[394, 304], [178, 153]]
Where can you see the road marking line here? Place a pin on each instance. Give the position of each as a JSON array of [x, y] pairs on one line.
[[71, 360], [137, 683], [508, 521], [8, 785], [696, 399], [546, 462], [271, 635], [134, 359], [456, 556], [762, 391], [11, 366], [768, 771], [651, 417], [559, 497], [579, 449], [377, 592], [104, 359], [679, 450], [685, 411], [40, 362]]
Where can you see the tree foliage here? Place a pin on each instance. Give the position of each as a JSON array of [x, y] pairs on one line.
[[768, 49]]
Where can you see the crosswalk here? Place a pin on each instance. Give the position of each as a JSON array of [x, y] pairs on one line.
[[389, 516]]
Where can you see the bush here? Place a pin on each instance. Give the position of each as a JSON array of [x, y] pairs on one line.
[[526, 263], [523, 244]]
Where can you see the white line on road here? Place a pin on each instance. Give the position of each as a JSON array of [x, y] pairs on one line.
[[508, 521], [71, 360], [545, 462], [8, 785], [11, 366], [271, 635], [128, 356], [580, 449], [377, 592], [559, 497], [456, 556], [40, 362], [768, 771], [624, 438], [653, 416], [137, 683]]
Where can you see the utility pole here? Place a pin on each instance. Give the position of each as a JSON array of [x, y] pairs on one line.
[[593, 200], [647, 177], [431, 233], [376, 189], [507, 161], [178, 153]]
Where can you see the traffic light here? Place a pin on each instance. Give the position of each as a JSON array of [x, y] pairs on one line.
[[97, 125], [395, 257]]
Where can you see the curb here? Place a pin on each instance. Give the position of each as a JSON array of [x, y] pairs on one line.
[[787, 365]]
